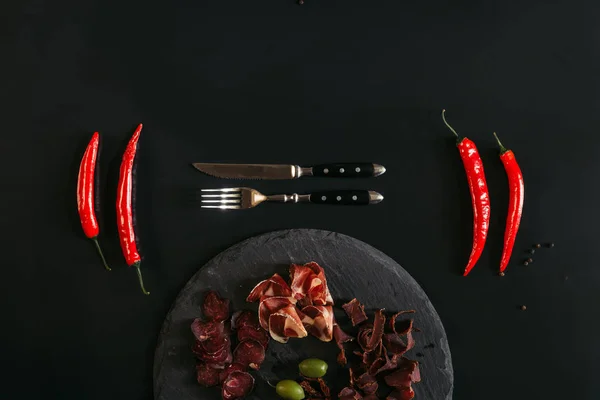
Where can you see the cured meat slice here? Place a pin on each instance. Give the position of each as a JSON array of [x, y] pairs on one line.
[[393, 321], [285, 324], [269, 306], [207, 376], [274, 286], [215, 308], [348, 393], [369, 336], [341, 337], [237, 385], [256, 333], [208, 330], [406, 374], [355, 311], [320, 298], [324, 387], [218, 359], [249, 353], [242, 318], [224, 373], [406, 393], [308, 389], [394, 342], [309, 285], [367, 383], [322, 322]]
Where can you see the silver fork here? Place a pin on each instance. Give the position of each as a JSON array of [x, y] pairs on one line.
[[243, 197]]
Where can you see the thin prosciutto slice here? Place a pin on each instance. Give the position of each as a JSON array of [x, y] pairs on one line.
[[285, 324], [322, 322], [269, 306], [309, 285], [274, 286]]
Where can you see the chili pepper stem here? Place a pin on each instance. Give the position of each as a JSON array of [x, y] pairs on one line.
[[502, 148], [139, 274], [458, 138], [95, 240]]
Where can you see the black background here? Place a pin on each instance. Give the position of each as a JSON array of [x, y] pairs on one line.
[[271, 81]]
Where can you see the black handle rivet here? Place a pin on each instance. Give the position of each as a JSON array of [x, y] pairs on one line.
[[326, 171], [342, 170], [339, 198], [357, 169]]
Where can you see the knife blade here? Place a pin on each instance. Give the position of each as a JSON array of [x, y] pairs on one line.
[[285, 171]]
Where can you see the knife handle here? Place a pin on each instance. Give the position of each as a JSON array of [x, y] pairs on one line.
[[348, 170], [346, 197]]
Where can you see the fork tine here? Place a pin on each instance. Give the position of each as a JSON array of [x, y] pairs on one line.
[[223, 207], [221, 190], [222, 195], [221, 201]]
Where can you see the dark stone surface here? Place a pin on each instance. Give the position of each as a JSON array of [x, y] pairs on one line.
[[354, 269]]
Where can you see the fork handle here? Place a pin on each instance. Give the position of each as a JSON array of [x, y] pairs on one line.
[[346, 197]]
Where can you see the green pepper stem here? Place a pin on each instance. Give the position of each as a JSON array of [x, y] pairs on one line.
[[139, 274], [448, 125], [502, 148], [95, 240]]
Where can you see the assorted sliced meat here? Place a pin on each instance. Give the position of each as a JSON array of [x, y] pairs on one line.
[[216, 363], [294, 310], [381, 355]]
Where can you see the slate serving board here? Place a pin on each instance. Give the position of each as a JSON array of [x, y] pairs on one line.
[[353, 268]]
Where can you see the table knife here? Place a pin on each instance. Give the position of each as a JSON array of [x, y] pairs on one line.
[[283, 171]]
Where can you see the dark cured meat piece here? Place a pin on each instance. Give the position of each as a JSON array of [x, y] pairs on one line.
[[324, 387], [206, 375], [237, 385], [341, 337], [406, 374], [369, 336], [308, 389], [274, 286], [402, 394], [249, 353], [371, 397], [208, 330], [255, 333], [224, 373], [239, 319], [355, 311], [388, 365], [348, 393], [394, 342], [395, 316], [214, 308], [367, 383]]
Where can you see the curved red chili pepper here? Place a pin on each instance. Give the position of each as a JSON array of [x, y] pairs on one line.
[[480, 196], [124, 207], [86, 188], [516, 187]]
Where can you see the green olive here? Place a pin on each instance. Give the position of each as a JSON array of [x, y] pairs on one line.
[[289, 390], [313, 368]]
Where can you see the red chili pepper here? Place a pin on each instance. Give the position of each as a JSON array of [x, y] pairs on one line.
[[124, 207], [515, 203], [86, 189], [480, 196]]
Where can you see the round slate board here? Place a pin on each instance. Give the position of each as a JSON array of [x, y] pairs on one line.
[[353, 268]]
